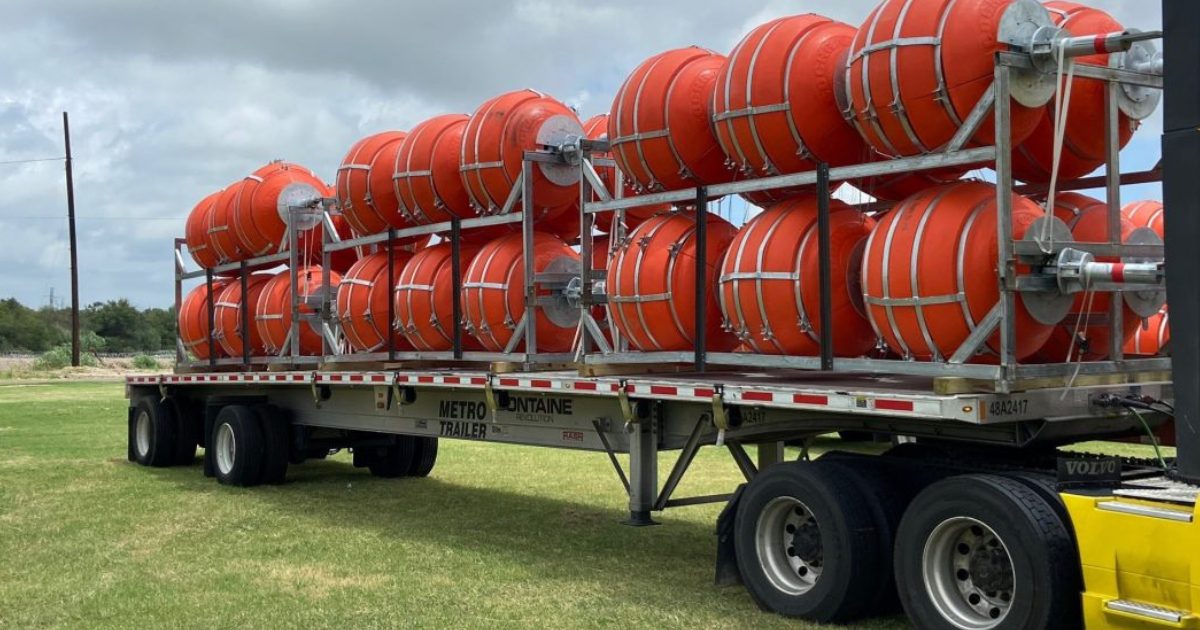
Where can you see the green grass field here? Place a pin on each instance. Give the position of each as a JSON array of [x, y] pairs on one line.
[[498, 537]]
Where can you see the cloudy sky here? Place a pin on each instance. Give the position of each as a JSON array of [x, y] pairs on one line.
[[172, 100]]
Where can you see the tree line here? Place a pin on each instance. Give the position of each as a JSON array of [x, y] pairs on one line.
[[115, 326]]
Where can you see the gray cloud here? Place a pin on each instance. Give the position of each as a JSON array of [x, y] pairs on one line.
[[171, 100]]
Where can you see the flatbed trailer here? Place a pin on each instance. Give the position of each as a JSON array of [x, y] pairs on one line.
[[974, 520]]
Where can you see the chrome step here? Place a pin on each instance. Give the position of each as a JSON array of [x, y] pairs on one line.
[[1149, 611], [1150, 511]]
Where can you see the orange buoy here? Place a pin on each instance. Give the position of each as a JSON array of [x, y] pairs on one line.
[[362, 302], [1069, 206], [425, 299], [193, 321], [260, 216], [493, 146], [1083, 146], [652, 279], [221, 232], [196, 232], [1148, 214], [273, 314], [775, 106], [426, 178], [493, 293], [660, 126], [770, 284], [1151, 336], [229, 305], [917, 69], [1085, 334], [364, 184], [596, 128], [929, 272]]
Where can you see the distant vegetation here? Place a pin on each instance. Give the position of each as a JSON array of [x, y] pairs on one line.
[[113, 326]]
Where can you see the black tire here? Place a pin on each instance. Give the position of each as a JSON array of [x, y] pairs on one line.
[[887, 501], [425, 450], [276, 443], [153, 433], [189, 427], [844, 545], [1034, 551], [240, 462], [392, 461]]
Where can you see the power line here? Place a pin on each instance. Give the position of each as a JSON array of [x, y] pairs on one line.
[[53, 159]]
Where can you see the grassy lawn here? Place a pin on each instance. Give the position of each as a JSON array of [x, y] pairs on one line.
[[498, 536]]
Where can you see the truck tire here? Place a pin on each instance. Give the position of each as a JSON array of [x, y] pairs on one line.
[[887, 501], [237, 443], [189, 427], [276, 443], [807, 543], [153, 433], [986, 552], [425, 450], [392, 461]]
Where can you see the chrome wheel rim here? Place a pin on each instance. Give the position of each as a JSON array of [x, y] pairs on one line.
[[226, 447], [142, 433], [788, 540], [968, 574]]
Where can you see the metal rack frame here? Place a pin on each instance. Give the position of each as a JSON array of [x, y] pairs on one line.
[[997, 102], [592, 348]]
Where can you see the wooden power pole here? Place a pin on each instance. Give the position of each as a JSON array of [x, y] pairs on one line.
[[74, 259]]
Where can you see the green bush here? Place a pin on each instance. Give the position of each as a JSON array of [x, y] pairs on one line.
[[145, 362], [60, 357]]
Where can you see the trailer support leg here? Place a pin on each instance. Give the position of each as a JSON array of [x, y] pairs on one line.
[[643, 472], [769, 454]]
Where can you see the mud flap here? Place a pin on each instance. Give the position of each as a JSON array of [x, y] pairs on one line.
[[727, 573]]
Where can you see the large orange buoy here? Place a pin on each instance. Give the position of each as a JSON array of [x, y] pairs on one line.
[[193, 321], [770, 284], [1085, 334], [1148, 214], [228, 307], [660, 126], [362, 302], [493, 146], [222, 236], [652, 283], [425, 299], [917, 69], [596, 128], [775, 105], [426, 178], [1083, 147], [929, 272], [364, 184], [196, 232], [260, 217], [1069, 206], [493, 293], [1151, 336], [273, 314]]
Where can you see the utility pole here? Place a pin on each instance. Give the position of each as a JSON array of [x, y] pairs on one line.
[[74, 259]]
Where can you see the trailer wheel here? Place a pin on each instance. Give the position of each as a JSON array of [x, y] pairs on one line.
[[425, 450], [237, 443], [986, 552], [393, 461], [189, 427], [276, 443], [152, 433], [807, 543]]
